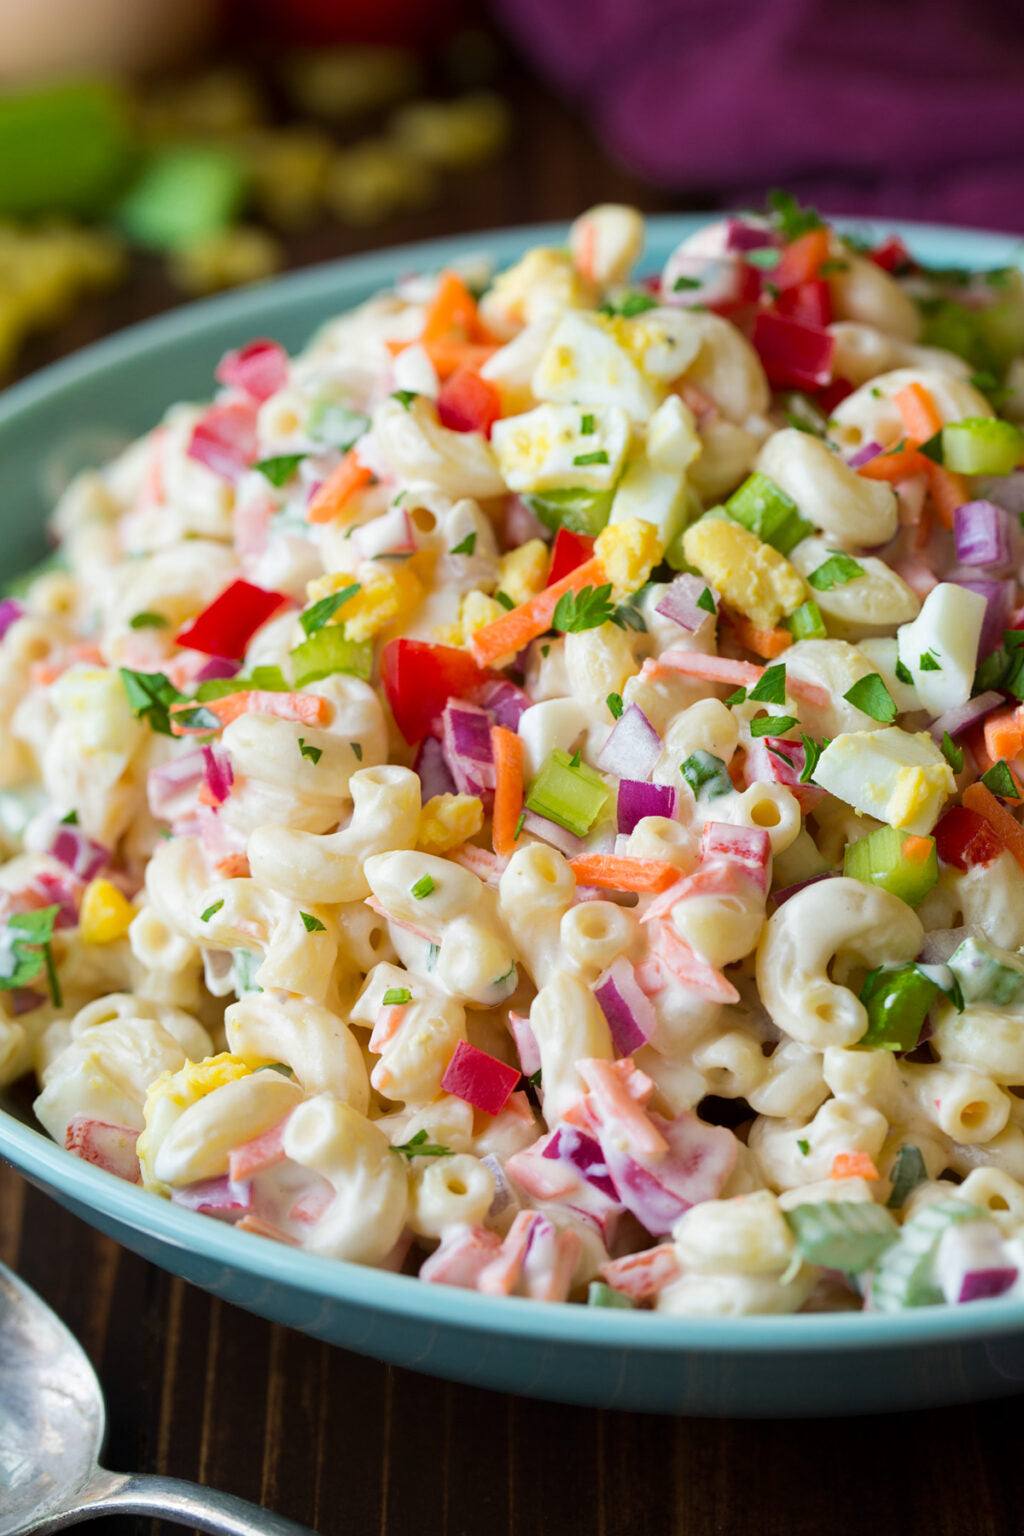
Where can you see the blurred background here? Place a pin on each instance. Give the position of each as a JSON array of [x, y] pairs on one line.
[[155, 150]]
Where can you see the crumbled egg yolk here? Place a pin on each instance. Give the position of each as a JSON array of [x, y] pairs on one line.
[[105, 914], [543, 283], [751, 576], [628, 552], [523, 571], [478, 610], [384, 596], [170, 1094], [448, 820]]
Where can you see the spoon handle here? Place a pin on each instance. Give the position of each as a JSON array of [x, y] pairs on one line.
[[171, 1498]]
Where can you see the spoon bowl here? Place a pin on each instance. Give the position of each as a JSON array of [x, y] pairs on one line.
[[52, 1425]]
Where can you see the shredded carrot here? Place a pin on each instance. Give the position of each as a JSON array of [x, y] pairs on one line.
[[41, 675], [306, 708], [920, 415], [339, 487], [675, 956], [1003, 735], [713, 669], [453, 308], [448, 356], [802, 259], [852, 1165], [586, 249], [263, 1151], [611, 1101], [507, 751], [264, 1228], [500, 1275], [978, 797], [233, 866], [768, 643], [948, 490], [389, 1022], [513, 630], [917, 850], [895, 464], [642, 1275], [617, 872]]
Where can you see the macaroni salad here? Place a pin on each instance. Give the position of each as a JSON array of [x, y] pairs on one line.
[[527, 791]]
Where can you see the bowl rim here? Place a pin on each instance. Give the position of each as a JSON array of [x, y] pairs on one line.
[[32, 1153]]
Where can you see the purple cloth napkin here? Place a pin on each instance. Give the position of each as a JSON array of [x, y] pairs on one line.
[[912, 109]]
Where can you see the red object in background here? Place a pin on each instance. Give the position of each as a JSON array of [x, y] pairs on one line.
[[467, 403], [409, 22], [810, 303], [964, 839], [229, 623], [793, 355], [568, 551], [419, 678]]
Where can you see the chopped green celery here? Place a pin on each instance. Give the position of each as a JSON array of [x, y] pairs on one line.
[[955, 328], [336, 424], [908, 1171], [577, 509], [806, 622], [64, 147], [897, 1003], [986, 973], [571, 795], [601, 1295], [185, 193], [329, 651], [904, 1276], [264, 679], [769, 513], [982, 445], [850, 1235], [879, 860]]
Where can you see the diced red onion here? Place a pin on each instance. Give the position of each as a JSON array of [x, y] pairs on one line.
[[10, 612], [70, 847], [743, 236], [1007, 491], [707, 280], [776, 760], [960, 719], [660, 1188], [633, 747], [216, 668], [25, 1000], [224, 439], [864, 454], [638, 799], [215, 1197], [259, 369], [388, 534], [550, 832], [983, 1284], [434, 773], [506, 702], [59, 890], [749, 848], [781, 897], [982, 535], [999, 595], [467, 747], [218, 774], [631, 1018], [679, 602], [582, 1152], [167, 783], [526, 1043]]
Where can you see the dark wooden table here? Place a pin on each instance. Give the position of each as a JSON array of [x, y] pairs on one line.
[[200, 1390]]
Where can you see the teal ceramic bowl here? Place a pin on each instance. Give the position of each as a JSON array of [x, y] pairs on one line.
[[78, 412]]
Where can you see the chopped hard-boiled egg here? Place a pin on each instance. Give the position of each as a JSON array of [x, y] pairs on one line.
[[543, 283], [172, 1093], [477, 610], [93, 707], [628, 551], [523, 571], [105, 914], [655, 496], [559, 446], [751, 576], [900, 778], [940, 647], [673, 441], [584, 363], [448, 820], [385, 594]]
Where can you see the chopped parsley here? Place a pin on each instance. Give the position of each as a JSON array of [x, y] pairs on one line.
[[682, 283], [836, 571], [29, 951], [70, 820], [598, 456], [903, 674], [316, 617], [204, 917], [312, 924], [812, 752], [150, 696], [466, 546], [148, 620], [629, 305], [504, 599], [739, 697], [405, 397], [706, 775], [788, 217], [804, 1146], [929, 662], [280, 468], [313, 753], [953, 754], [627, 616], [196, 717], [587, 609], [357, 748], [1000, 780], [770, 688], [615, 705], [396, 996], [872, 696], [423, 887], [772, 725], [419, 1146], [707, 602], [766, 257]]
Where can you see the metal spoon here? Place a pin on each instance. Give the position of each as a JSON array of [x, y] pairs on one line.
[[52, 1424]]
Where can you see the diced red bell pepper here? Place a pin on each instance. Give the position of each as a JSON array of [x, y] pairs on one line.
[[479, 1079], [829, 397], [892, 255], [419, 678], [808, 302], [794, 355], [568, 551], [748, 848], [467, 403], [965, 839], [259, 369], [229, 623]]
